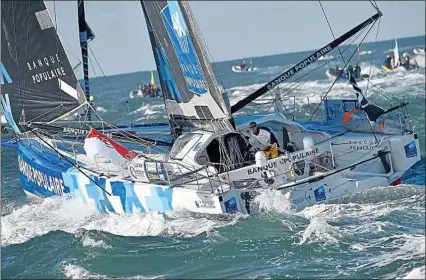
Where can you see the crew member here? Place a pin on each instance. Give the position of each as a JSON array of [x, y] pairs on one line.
[[388, 63], [357, 71], [406, 62], [243, 65], [265, 136]]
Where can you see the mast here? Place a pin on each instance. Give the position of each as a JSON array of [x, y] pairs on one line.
[[86, 35], [303, 64]]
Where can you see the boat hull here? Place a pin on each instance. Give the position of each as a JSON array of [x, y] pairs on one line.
[[237, 69], [44, 174], [404, 152], [419, 51]]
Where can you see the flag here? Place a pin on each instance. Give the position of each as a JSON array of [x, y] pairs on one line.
[[86, 33], [97, 143], [372, 111]]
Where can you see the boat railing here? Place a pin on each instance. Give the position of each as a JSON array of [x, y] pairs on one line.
[[173, 174]]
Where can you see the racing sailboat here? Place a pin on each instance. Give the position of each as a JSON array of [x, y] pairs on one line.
[[358, 146], [242, 68], [406, 63], [211, 167], [150, 90], [41, 92]]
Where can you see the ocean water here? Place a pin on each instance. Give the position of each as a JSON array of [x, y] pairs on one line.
[[378, 233]]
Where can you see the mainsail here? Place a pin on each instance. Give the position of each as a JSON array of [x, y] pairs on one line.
[[193, 97], [304, 63], [39, 84]]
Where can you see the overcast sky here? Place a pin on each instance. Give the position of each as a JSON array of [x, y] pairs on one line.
[[231, 29]]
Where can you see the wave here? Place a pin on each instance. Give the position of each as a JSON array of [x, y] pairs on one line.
[[392, 82], [416, 273], [370, 226], [69, 215], [101, 109], [73, 271], [365, 52]]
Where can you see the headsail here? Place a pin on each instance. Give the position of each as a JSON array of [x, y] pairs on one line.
[[395, 55], [39, 84], [192, 95], [304, 63], [152, 78]]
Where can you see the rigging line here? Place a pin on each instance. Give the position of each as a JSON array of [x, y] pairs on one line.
[[207, 48], [322, 99], [332, 33], [58, 42], [100, 68], [22, 92], [131, 138], [96, 75], [371, 61], [78, 168], [320, 177], [384, 93], [375, 6], [293, 82]]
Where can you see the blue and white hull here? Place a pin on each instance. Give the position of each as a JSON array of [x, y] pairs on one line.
[[45, 174]]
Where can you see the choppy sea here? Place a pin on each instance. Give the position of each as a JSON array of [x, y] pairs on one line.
[[378, 233]]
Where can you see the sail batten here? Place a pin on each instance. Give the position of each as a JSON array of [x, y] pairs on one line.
[[40, 84], [191, 92], [303, 64]]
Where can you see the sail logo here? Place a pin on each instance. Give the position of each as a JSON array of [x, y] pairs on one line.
[[180, 31], [5, 75], [184, 49]]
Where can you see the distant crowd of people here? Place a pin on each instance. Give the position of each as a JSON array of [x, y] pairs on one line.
[[150, 90], [405, 62], [354, 71]]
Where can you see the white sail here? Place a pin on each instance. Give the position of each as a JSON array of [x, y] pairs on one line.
[[396, 55]]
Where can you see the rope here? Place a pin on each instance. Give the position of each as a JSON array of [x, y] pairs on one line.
[[332, 33], [66, 158], [322, 99]]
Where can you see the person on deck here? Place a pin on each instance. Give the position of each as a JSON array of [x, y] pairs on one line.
[[243, 65], [149, 90], [357, 71], [388, 63], [265, 136], [406, 62]]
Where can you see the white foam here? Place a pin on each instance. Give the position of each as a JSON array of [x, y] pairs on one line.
[[365, 52], [416, 273], [87, 241], [320, 231], [149, 109], [273, 200], [77, 272], [68, 215], [404, 247], [391, 83], [101, 109]]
